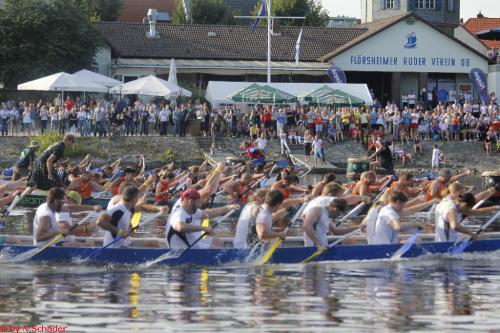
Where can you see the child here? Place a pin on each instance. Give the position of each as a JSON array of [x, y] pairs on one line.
[[318, 150], [332, 135], [435, 158]]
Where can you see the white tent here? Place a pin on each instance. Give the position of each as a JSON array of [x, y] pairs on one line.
[[62, 82], [150, 86], [97, 78], [218, 91]]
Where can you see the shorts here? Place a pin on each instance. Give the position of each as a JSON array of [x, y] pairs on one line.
[[268, 124], [413, 125], [319, 128], [259, 161]]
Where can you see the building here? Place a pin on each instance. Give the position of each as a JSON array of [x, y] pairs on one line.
[[343, 22], [135, 10], [444, 14], [481, 23]]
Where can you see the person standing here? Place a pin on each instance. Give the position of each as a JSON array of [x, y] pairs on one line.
[[164, 118], [43, 175], [25, 162], [44, 118], [4, 120]]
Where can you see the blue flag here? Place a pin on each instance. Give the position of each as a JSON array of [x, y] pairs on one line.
[[478, 78], [262, 13], [336, 75]]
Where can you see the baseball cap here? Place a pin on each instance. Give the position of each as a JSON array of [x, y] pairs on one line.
[[190, 194]]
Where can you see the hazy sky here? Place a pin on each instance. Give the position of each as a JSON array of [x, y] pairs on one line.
[[468, 8]]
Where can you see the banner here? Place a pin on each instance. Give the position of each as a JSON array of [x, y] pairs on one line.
[[336, 75], [480, 82]]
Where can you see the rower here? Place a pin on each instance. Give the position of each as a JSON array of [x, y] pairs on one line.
[[318, 188], [162, 190], [43, 175], [256, 155], [438, 186], [406, 185], [84, 185], [24, 164], [116, 221], [130, 174], [289, 185], [246, 233], [318, 223], [264, 221], [185, 223], [239, 190], [45, 226], [368, 184], [388, 225]]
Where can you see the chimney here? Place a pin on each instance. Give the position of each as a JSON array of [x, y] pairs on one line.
[[152, 17]]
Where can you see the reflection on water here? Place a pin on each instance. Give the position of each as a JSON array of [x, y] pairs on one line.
[[425, 294]]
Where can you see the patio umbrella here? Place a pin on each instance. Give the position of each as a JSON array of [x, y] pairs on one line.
[[491, 34], [150, 86], [172, 74], [62, 82], [332, 97], [97, 78], [263, 94]]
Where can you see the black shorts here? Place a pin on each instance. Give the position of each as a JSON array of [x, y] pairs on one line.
[[268, 124]]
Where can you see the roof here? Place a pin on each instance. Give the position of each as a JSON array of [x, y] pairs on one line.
[[378, 26], [224, 42], [136, 10], [475, 25]]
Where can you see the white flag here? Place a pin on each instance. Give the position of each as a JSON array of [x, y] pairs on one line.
[[297, 48]]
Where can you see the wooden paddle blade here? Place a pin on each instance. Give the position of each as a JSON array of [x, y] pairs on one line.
[[403, 249], [265, 258]]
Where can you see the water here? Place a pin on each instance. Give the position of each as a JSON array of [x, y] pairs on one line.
[[427, 294]]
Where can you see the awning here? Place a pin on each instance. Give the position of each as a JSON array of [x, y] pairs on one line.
[[332, 97], [256, 93]]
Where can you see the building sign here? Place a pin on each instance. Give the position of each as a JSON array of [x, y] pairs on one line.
[[410, 48]]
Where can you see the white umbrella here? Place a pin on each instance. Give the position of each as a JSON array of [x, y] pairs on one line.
[[172, 74], [97, 78], [150, 86], [62, 82]]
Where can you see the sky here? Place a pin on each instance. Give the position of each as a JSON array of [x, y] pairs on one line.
[[468, 8]]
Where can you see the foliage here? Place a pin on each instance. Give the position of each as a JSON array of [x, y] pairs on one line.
[[168, 156], [315, 14], [39, 37], [100, 10], [79, 149], [205, 12]]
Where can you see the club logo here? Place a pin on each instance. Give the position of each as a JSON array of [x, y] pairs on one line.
[[411, 41]]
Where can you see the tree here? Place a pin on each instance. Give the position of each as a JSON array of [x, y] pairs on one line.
[[39, 37], [100, 10], [315, 14], [205, 12]]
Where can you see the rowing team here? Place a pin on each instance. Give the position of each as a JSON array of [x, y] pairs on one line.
[[259, 216]]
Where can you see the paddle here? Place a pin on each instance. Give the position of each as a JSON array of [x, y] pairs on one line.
[[119, 238], [33, 252], [461, 246], [173, 254]]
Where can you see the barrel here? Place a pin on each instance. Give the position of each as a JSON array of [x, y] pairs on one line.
[[492, 178], [356, 166]]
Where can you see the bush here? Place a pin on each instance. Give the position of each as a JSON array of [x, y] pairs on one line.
[[79, 149], [168, 156]]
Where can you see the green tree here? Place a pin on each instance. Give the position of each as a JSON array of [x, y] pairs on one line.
[[312, 10], [205, 12], [39, 37], [100, 10]]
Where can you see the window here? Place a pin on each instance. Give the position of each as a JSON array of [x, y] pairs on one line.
[[451, 5], [425, 4], [390, 4]]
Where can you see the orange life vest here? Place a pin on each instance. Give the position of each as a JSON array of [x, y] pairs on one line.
[[84, 189], [428, 194], [115, 189], [164, 187]]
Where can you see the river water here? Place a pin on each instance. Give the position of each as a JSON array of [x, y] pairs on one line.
[[426, 294]]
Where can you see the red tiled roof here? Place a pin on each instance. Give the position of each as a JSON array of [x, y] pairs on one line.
[[136, 10], [474, 25]]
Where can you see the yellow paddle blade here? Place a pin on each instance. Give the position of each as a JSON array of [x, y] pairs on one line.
[[265, 258], [312, 257], [205, 223], [53, 241], [134, 222]]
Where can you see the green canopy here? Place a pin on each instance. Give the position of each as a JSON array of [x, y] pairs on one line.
[[262, 94], [332, 97]]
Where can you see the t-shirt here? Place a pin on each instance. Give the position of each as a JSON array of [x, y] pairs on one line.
[[245, 226], [43, 211], [176, 240], [443, 231], [384, 234], [261, 143], [265, 217], [26, 158], [57, 149], [120, 218]]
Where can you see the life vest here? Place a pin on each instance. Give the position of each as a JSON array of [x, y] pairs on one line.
[[241, 195], [115, 189], [84, 189], [253, 152], [164, 187]]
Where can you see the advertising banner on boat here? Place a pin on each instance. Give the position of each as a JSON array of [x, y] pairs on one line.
[[336, 75], [478, 78]]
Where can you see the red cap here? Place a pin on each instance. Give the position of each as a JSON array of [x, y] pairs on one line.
[[190, 194]]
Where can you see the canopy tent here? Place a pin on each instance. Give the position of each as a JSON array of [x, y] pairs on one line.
[[218, 91], [331, 97], [491, 34], [97, 78], [150, 86], [256, 93], [62, 82]]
